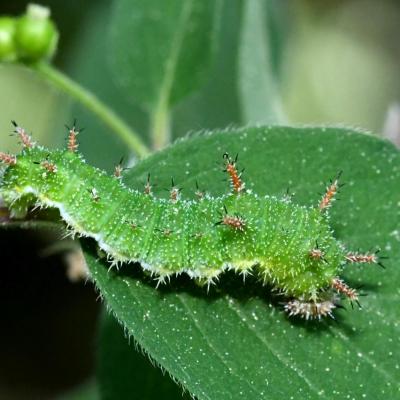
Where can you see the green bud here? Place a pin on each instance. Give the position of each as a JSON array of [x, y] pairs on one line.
[[7, 33], [36, 36]]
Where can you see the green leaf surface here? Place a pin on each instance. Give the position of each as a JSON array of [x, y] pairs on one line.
[[235, 342], [161, 50], [257, 84], [135, 377]]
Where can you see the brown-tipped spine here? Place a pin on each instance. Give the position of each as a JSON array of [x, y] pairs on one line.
[[50, 167], [175, 192], [147, 186], [234, 176], [72, 139], [316, 254], [362, 258], [26, 139], [95, 195], [118, 171], [235, 222], [341, 287], [331, 191], [199, 193], [8, 159]]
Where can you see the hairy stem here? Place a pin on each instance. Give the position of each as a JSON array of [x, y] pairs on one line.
[[90, 101]]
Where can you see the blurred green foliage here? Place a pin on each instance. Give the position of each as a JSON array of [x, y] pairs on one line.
[[332, 64]]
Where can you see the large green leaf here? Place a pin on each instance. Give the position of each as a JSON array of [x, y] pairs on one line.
[[135, 376], [235, 342], [161, 50]]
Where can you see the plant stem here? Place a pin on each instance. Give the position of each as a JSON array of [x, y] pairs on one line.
[[160, 126], [90, 101]]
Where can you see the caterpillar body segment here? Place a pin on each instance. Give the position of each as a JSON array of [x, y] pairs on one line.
[[288, 246]]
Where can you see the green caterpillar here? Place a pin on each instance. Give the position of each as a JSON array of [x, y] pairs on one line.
[[288, 246]]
